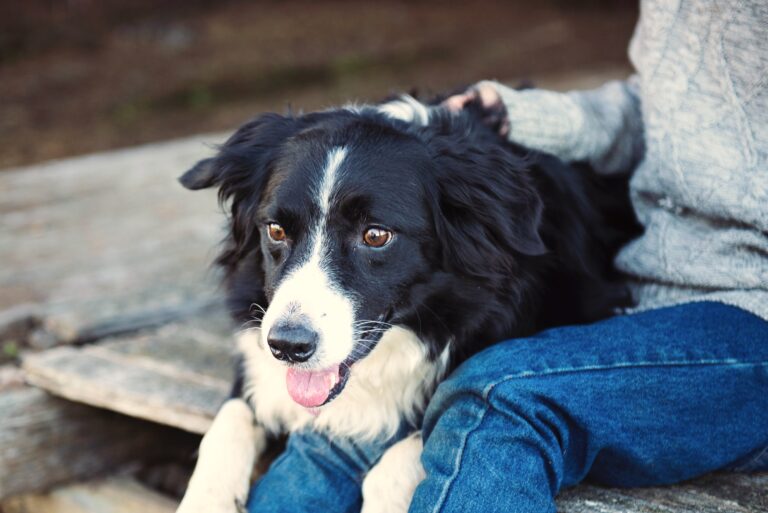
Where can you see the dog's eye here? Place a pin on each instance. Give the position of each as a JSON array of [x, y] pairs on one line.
[[376, 237], [276, 232]]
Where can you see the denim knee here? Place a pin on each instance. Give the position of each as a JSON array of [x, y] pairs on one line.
[[470, 419], [481, 386]]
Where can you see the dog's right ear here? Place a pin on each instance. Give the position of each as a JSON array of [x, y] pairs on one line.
[[201, 176], [245, 158], [241, 170]]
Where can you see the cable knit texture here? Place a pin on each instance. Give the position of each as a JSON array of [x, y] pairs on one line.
[[693, 125]]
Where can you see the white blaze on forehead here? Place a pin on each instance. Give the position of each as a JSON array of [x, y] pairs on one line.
[[309, 290], [333, 162], [324, 191]]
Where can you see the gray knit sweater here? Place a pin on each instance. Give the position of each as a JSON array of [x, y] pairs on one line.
[[693, 125]]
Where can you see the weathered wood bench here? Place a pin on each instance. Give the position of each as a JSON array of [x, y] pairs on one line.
[[107, 297]]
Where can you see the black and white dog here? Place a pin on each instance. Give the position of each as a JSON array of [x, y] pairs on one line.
[[382, 245]]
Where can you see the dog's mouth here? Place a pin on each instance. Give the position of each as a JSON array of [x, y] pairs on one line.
[[315, 388]]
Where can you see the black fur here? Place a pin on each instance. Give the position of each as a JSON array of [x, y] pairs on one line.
[[494, 241]]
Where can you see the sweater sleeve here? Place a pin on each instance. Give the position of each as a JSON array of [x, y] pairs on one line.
[[602, 126]]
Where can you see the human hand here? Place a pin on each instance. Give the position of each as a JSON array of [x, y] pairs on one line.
[[486, 96]]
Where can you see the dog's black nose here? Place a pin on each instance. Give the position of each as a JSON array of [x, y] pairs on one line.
[[292, 342]]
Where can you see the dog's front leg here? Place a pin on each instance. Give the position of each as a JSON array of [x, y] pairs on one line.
[[228, 451], [389, 485]]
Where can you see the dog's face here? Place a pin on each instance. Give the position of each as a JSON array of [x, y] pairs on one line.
[[342, 227], [344, 232]]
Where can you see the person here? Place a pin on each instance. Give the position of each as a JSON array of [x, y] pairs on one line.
[[670, 391]]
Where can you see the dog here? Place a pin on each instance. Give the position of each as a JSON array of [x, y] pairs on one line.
[[376, 248]]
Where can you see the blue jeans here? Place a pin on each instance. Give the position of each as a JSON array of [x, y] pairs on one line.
[[644, 399]]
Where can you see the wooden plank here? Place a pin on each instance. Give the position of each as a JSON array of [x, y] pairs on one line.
[[749, 490], [113, 495], [105, 244], [45, 441], [716, 493], [177, 375]]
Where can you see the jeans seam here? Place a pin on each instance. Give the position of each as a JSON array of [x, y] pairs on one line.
[[565, 370], [457, 461]]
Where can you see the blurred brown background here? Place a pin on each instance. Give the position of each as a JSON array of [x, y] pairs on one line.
[[79, 76]]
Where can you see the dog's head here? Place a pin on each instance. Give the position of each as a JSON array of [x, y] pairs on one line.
[[346, 223]]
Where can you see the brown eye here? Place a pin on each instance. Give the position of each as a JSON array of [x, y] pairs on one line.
[[376, 237], [276, 232]]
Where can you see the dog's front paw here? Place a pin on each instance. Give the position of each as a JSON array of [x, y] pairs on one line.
[[389, 486], [221, 479]]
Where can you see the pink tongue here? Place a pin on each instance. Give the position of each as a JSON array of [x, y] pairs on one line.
[[311, 388]]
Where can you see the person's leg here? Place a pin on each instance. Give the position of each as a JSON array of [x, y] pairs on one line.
[[650, 398], [317, 473]]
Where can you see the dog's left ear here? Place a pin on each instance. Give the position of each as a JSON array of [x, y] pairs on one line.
[[488, 209]]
